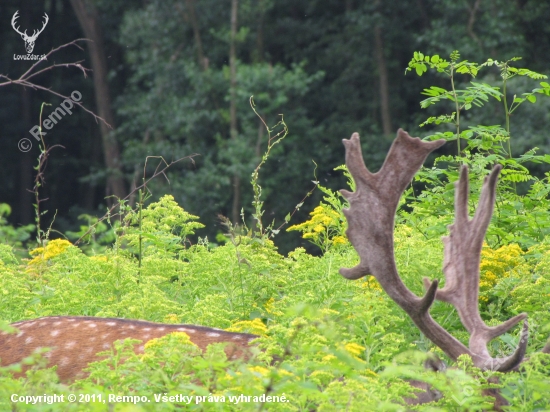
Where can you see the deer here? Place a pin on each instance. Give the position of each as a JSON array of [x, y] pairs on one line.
[[29, 40], [370, 217], [74, 341]]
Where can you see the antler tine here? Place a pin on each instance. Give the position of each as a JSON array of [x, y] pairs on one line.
[[462, 249], [384, 187], [14, 22]]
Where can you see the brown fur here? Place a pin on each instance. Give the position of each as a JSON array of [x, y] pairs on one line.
[[76, 340]]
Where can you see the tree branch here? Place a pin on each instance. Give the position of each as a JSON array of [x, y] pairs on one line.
[[24, 79]]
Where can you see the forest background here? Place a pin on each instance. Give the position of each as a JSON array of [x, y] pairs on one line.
[[174, 78]]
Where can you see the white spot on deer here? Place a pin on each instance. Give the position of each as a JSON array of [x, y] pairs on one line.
[[234, 357], [57, 323], [71, 320], [70, 344], [213, 334], [47, 355], [19, 334], [106, 346], [141, 348], [146, 328], [92, 325], [76, 325], [237, 337], [187, 330], [161, 329], [146, 337], [54, 333], [105, 336], [64, 361], [89, 350], [93, 339], [28, 340], [111, 323], [131, 327]]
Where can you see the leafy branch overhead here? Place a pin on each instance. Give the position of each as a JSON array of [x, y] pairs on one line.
[[481, 146]]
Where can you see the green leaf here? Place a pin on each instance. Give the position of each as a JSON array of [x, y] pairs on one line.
[[420, 68], [532, 98]]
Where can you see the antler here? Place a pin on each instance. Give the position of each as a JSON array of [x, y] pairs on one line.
[[46, 20], [13, 23], [370, 230]]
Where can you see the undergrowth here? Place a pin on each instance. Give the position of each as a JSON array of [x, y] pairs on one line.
[[324, 343]]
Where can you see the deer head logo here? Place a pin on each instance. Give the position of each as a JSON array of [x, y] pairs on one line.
[[29, 40]]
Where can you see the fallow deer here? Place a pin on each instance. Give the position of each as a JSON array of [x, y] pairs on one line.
[[370, 217], [75, 341]]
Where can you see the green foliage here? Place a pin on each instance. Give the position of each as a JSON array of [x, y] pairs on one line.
[[324, 343], [527, 390], [518, 218], [184, 109], [327, 226], [11, 235], [96, 235], [161, 228]]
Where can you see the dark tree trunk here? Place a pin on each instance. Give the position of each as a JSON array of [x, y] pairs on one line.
[[235, 209], [383, 81], [89, 21], [190, 6]]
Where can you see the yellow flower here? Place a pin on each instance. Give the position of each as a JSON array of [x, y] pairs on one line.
[[497, 264], [329, 358], [270, 307], [53, 248], [171, 318], [255, 326], [325, 228], [371, 283], [258, 369], [368, 372], [354, 349], [339, 240], [154, 346], [319, 228]]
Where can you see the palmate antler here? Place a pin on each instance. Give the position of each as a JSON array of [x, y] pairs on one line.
[[370, 230]]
